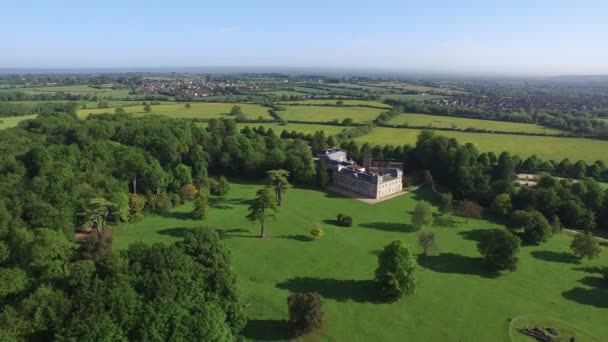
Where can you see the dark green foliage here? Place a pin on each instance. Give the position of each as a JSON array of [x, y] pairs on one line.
[[532, 225], [220, 187], [322, 178], [278, 180], [263, 208], [344, 220], [305, 313], [501, 205], [444, 202], [161, 292], [395, 272], [499, 249], [201, 206]]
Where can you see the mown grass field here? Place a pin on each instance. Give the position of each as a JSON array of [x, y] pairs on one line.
[[198, 110], [326, 114], [284, 92], [12, 121], [298, 127], [556, 148], [78, 89], [419, 88], [455, 300], [410, 97], [333, 102], [414, 119]]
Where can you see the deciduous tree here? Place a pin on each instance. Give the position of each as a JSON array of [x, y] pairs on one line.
[[263, 208], [278, 179], [395, 273], [422, 215], [469, 209], [305, 313], [499, 249], [585, 246], [427, 242]]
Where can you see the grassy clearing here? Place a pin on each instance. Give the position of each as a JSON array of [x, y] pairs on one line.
[[555, 148], [455, 299], [298, 127], [413, 119], [12, 121], [325, 114], [333, 102], [198, 110]]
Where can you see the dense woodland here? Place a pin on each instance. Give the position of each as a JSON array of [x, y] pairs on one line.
[[59, 173]]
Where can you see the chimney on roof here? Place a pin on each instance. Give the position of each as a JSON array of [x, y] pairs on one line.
[[367, 159]]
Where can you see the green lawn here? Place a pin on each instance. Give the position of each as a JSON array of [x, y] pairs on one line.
[[325, 114], [455, 299], [198, 110], [555, 148], [413, 119], [78, 89], [12, 121], [284, 92], [333, 102], [298, 127], [409, 97]]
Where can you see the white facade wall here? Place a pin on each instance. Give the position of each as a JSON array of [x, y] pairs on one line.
[[368, 189], [389, 187]]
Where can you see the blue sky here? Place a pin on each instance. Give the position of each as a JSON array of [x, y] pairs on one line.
[[511, 37]]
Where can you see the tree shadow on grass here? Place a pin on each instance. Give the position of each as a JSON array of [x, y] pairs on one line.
[[239, 201], [591, 269], [219, 203], [598, 282], [390, 227], [332, 222], [361, 291], [444, 221], [297, 237], [562, 257], [265, 330], [231, 233], [473, 235], [178, 215], [375, 252], [597, 297], [176, 232], [455, 263]]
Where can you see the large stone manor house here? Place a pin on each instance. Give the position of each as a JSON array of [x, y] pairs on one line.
[[367, 180]]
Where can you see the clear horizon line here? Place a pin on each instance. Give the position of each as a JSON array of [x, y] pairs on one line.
[[286, 69]]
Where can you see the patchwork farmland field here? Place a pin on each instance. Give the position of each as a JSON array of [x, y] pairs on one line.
[[78, 89], [414, 119], [298, 127], [12, 121], [555, 148], [326, 114], [198, 110], [452, 286], [333, 102]]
